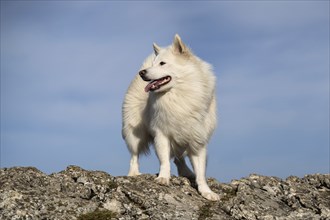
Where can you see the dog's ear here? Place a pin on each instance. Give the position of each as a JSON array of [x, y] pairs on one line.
[[156, 48], [179, 46]]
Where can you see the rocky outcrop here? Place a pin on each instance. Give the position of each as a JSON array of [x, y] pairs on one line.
[[75, 193]]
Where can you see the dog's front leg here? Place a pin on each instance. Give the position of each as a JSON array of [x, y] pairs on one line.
[[162, 146], [198, 160]]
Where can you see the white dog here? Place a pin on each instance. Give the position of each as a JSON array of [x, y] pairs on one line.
[[171, 104]]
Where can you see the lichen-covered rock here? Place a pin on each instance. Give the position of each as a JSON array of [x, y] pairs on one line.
[[75, 193]]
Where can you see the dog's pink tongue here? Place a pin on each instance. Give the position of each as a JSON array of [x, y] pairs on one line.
[[152, 85], [148, 87]]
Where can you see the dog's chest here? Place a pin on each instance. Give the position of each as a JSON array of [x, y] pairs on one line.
[[170, 114]]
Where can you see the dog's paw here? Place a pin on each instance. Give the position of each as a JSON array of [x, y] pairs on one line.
[[210, 196], [135, 173], [163, 181]]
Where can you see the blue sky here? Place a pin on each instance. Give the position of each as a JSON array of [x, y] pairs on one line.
[[65, 67]]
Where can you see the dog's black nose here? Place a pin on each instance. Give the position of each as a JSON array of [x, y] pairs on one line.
[[142, 73]]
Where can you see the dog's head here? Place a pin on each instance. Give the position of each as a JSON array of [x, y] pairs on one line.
[[167, 67]]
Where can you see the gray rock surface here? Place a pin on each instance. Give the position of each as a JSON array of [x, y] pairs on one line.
[[75, 193]]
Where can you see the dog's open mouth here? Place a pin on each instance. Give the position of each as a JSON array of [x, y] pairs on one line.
[[156, 84]]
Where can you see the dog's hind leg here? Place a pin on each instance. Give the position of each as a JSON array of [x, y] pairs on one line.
[[134, 165], [137, 143], [132, 144], [183, 169], [180, 162]]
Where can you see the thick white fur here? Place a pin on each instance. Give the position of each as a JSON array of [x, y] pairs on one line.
[[178, 119]]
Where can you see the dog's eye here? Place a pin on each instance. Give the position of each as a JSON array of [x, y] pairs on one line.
[[162, 63]]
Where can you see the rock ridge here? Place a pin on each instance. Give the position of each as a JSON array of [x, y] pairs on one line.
[[75, 193]]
